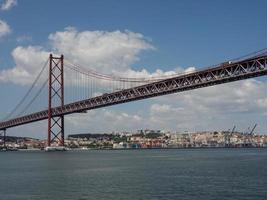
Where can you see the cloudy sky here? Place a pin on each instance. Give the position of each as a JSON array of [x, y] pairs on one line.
[[138, 38]]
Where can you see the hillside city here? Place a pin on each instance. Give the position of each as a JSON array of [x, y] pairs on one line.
[[146, 139]]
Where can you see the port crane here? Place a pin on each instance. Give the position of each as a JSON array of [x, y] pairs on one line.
[[252, 131], [248, 136], [228, 137]]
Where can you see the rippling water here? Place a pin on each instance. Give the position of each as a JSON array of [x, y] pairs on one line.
[[135, 174]]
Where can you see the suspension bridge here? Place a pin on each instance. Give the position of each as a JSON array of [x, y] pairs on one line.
[[62, 88]]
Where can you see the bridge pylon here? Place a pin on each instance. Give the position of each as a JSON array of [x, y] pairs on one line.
[[4, 138], [55, 99]]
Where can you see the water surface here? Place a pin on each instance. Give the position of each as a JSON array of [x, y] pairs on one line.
[[197, 174]]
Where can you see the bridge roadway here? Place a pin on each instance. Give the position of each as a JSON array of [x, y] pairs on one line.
[[244, 69]]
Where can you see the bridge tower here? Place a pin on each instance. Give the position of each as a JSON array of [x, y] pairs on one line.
[[55, 99], [4, 137]]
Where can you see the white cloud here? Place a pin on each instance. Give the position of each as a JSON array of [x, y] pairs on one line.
[[157, 108], [262, 102], [4, 28], [190, 69], [158, 73], [103, 120], [8, 4], [29, 61], [24, 38], [103, 51], [219, 107], [239, 96]]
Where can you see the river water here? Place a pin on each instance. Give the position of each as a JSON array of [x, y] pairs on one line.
[[196, 174]]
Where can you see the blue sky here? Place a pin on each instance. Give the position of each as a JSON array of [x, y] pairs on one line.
[[183, 34]]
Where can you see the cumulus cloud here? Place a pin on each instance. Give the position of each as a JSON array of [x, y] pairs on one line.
[[105, 52], [4, 28], [98, 50], [95, 121], [29, 61], [103, 120], [218, 107], [262, 102], [157, 74], [8, 4], [160, 108], [242, 96]]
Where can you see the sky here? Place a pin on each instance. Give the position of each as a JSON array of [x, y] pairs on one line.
[[139, 38]]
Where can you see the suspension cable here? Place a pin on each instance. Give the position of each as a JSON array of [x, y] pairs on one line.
[[28, 92], [34, 98]]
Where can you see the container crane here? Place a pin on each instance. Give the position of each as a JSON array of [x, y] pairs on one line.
[[252, 131], [228, 137], [248, 136]]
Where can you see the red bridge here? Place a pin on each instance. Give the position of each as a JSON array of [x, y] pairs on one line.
[[122, 90]]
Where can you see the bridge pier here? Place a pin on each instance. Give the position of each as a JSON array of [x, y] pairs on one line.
[[55, 99]]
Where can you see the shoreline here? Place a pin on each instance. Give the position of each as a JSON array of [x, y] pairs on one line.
[[137, 149]]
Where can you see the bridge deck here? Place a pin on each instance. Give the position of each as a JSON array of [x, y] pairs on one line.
[[244, 69]]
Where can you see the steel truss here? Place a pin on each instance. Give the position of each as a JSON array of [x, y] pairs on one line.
[[244, 69]]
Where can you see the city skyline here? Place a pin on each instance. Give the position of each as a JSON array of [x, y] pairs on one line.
[[147, 139]]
